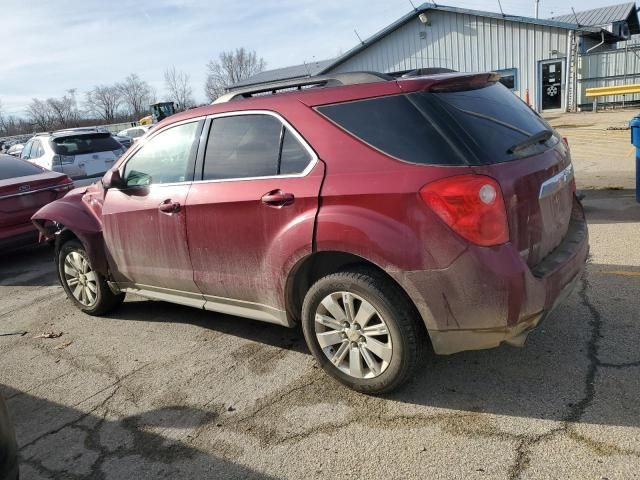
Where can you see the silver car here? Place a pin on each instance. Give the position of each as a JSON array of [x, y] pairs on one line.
[[84, 154]]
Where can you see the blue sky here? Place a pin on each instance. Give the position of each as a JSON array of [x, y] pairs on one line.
[[48, 47]]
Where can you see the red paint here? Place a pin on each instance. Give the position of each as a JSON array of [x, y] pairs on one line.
[[241, 239], [21, 197]]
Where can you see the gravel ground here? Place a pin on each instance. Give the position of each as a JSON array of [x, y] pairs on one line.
[[162, 391]]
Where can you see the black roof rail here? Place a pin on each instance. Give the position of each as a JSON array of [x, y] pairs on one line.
[[350, 78]]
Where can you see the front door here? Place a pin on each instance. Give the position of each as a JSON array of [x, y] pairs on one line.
[[551, 82], [253, 213], [144, 223]]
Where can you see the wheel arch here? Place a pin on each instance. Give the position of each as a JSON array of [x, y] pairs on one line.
[[311, 268], [69, 218]]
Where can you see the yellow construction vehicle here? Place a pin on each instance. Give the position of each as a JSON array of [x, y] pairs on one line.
[[159, 111]]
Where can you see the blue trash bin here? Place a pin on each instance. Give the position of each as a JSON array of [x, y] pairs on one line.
[[634, 126]]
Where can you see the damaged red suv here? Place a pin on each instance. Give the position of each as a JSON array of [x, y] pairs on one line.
[[376, 212]]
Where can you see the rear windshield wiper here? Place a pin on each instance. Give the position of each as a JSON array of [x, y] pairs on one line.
[[539, 137]]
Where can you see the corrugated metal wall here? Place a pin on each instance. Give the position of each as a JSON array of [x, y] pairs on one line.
[[608, 68], [465, 43]]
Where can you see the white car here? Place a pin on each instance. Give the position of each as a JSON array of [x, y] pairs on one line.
[[134, 133], [84, 154]]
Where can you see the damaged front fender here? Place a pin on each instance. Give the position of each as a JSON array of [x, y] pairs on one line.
[[77, 213]]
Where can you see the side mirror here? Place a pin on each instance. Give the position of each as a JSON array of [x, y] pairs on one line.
[[112, 179]]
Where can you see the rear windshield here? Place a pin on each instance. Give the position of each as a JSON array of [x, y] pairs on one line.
[[479, 126], [11, 167], [81, 144]]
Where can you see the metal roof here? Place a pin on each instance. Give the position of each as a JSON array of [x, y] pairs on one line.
[[295, 71], [465, 11], [598, 17]]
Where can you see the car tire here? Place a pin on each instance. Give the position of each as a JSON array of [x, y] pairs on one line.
[[85, 287], [374, 368]]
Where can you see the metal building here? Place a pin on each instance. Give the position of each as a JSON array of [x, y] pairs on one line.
[[537, 58]]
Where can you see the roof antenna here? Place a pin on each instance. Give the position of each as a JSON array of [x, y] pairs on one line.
[[500, 5], [414, 7], [576, 16], [354, 31], [306, 67]]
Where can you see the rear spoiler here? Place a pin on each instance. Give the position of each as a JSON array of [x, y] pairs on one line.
[[458, 83]]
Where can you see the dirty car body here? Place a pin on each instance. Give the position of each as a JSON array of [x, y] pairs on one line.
[[446, 190]]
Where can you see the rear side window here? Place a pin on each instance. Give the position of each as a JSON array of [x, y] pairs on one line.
[[294, 157], [243, 146], [493, 119], [475, 127], [11, 167], [395, 126], [83, 144]]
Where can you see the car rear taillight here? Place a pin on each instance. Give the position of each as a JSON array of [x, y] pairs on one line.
[[472, 205]]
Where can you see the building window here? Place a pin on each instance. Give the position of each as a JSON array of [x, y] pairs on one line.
[[509, 78]]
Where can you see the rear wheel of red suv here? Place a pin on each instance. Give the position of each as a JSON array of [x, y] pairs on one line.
[[362, 330], [84, 286]]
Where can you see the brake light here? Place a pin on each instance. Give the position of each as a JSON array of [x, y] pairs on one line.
[[472, 205]]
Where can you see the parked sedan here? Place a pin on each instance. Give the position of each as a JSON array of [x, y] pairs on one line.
[[8, 448], [134, 133], [25, 188]]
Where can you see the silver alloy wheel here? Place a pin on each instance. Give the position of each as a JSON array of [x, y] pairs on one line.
[[353, 335], [81, 280]]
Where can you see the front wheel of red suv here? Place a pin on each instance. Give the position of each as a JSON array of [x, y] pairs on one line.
[[362, 330], [85, 287]]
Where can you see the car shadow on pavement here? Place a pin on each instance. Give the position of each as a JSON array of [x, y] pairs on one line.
[[582, 364], [31, 266], [156, 311], [56, 441]]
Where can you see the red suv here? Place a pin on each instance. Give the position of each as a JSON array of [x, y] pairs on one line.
[[374, 211]]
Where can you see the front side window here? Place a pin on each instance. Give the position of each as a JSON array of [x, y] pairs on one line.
[[36, 150], [26, 150], [165, 158], [243, 146]]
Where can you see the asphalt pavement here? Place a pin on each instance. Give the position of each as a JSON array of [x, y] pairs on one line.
[[156, 390]]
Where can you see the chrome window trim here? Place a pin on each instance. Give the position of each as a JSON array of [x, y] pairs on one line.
[[312, 163], [556, 183]]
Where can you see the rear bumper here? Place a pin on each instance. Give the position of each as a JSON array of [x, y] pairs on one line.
[[489, 295]]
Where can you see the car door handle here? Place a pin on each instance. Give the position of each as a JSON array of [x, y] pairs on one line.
[[278, 198], [169, 206]]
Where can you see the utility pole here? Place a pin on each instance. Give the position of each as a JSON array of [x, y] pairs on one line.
[[537, 8]]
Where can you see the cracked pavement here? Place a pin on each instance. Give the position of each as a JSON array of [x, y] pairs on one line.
[[162, 391]]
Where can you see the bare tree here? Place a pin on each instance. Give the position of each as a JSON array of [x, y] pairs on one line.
[[230, 68], [64, 110], [180, 91], [41, 114], [3, 121], [136, 95], [104, 101]]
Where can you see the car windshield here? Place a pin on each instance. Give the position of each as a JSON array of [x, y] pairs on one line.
[[11, 167], [86, 143]]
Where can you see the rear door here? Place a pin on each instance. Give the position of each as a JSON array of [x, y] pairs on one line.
[[145, 223], [252, 214]]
